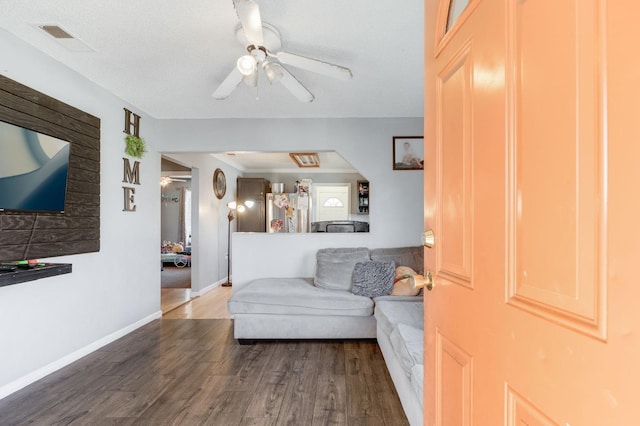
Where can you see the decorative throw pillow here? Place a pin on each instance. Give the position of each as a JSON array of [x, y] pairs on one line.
[[373, 279], [334, 266], [404, 284]]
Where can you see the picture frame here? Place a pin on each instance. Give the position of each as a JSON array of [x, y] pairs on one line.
[[408, 153]]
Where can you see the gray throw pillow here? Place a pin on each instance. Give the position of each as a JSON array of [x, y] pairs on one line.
[[373, 279], [334, 266]]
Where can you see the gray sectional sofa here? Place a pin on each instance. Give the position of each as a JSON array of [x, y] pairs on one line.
[[400, 334], [325, 307]]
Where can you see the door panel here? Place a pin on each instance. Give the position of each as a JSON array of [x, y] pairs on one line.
[[453, 108], [521, 412], [556, 202], [453, 383], [531, 187]]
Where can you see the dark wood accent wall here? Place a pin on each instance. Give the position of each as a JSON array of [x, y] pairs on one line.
[[77, 230]]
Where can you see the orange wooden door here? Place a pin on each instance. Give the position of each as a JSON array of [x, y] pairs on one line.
[[532, 170]]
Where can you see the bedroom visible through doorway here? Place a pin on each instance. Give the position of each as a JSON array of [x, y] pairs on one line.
[[175, 250]]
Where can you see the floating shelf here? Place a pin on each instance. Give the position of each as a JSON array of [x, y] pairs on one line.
[[22, 275]]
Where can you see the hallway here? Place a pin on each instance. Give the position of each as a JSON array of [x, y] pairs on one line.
[[211, 305]]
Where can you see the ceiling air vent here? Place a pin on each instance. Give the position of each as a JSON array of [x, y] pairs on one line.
[[65, 38], [55, 31]]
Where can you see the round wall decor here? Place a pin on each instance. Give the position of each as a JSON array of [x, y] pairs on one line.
[[219, 183]]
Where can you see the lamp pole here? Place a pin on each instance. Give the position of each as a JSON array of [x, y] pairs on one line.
[[230, 217], [233, 206]]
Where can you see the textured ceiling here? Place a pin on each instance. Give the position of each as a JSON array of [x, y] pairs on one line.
[[167, 58]]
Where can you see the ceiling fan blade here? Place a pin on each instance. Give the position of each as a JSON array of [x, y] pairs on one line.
[[249, 15], [228, 85], [314, 65], [295, 87]]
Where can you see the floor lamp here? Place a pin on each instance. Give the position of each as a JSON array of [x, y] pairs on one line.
[[233, 206]]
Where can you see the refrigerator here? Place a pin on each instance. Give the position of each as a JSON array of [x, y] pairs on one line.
[[287, 212]]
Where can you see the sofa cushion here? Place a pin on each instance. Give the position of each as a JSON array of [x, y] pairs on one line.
[[373, 279], [401, 256], [296, 296], [390, 312], [408, 345], [334, 266]]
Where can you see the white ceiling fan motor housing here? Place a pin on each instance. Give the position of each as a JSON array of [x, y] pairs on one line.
[[271, 36]]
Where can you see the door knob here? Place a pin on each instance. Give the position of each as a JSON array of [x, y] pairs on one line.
[[428, 238], [428, 281]]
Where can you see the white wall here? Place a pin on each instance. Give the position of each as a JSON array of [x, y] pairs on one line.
[[47, 323]]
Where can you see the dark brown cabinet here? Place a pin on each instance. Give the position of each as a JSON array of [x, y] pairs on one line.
[[363, 197], [252, 219]]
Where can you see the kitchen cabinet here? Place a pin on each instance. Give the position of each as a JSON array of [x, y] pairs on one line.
[[363, 197], [252, 219]]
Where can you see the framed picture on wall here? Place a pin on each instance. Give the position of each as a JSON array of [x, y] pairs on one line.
[[408, 153]]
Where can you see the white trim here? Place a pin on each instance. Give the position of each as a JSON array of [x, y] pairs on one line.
[[208, 288], [38, 374]]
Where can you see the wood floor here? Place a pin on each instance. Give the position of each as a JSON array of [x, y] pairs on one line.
[[211, 305], [171, 298], [192, 372]]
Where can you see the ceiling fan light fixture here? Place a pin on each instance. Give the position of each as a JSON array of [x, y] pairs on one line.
[[259, 53], [273, 72], [246, 64], [251, 79], [262, 41]]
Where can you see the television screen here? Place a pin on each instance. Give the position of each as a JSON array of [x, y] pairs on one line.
[[33, 170]]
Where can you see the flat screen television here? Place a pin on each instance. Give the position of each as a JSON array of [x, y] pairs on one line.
[[33, 170]]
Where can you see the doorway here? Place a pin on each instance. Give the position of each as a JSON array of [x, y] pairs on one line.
[[175, 218]]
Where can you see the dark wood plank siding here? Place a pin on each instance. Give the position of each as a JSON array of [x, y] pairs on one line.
[[37, 235]]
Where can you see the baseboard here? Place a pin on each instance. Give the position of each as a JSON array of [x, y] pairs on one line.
[[208, 288], [38, 374]]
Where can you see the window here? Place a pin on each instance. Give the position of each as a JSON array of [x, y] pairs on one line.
[[332, 202], [455, 10]]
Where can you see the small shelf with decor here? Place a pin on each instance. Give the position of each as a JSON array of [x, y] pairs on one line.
[[20, 272], [363, 197]]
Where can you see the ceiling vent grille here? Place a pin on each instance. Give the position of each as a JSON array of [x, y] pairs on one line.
[[65, 38], [55, 31]]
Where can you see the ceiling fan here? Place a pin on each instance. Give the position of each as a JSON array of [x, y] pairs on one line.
[[263, 44]]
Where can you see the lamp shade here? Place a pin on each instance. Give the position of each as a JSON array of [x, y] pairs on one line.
[[272, 71], [246, 64]]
